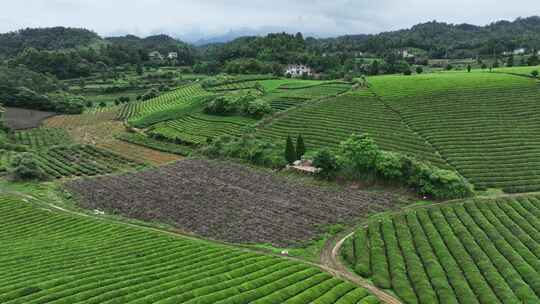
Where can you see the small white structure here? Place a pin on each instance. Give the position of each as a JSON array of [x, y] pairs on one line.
[[519, 51], [298, 70], [406, 54], [155, 56], [172, 55]]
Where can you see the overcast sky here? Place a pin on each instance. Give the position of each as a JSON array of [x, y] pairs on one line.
[[194, 19]]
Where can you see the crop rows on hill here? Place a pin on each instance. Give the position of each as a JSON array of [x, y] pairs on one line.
[[327, 123], [161, 103], [283, 99], [484, 125], [69, 259], [81, 160], [228, 202], [42, 137], [234, 86], [196, 128], [473, 252], [149, 142], [138, 153]]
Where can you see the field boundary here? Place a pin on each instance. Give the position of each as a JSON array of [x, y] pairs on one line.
[[390, 108]]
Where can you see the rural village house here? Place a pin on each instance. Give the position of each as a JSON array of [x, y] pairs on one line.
[[155, 56], [172, 55], [298, 70]]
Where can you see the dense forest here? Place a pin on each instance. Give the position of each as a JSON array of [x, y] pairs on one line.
[[71, 53]]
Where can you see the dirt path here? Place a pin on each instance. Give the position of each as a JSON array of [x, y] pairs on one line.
[[330, 260]]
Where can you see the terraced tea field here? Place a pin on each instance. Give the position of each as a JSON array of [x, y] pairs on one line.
[[42, 138], [73, 259], [228, 202], [484, 124], [82, 160], [136, 110], [196, 128], [327, 123], [480, 251]]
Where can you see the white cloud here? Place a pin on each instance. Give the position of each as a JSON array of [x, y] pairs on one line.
[[213, 17]]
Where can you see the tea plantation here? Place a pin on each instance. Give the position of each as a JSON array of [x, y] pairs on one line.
[[478, 251], [49, 256]]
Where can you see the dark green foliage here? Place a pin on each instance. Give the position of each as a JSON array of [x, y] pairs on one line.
[[535, 73], [407, 72], [533, 60], [325, 160], [246, 105], [247, 148], [357, 156], [300, 147], [510, 61], [290, 153], [469, 68], [419, 70], [152, 93], [25, 167]]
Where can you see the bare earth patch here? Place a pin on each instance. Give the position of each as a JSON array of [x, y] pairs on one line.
[[228, 202], [100, 129], [19, 119]]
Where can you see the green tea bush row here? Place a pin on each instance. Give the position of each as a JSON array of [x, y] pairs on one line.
[[141, 266], [477, 251]]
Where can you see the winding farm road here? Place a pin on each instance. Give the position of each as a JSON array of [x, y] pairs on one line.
[[330, 261]]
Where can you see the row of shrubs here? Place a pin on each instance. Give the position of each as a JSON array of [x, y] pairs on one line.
[[359, 158], [246, 105]]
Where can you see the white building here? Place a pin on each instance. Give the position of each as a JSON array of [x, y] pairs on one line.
[[155, 56], [298, 70], [519, 51], [172, 55], [406, 54]]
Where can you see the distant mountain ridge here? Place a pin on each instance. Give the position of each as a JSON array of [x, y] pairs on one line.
[[437, 39]]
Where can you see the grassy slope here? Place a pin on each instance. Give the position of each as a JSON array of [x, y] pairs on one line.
[[327, 123], [484, 124], [73, 259]]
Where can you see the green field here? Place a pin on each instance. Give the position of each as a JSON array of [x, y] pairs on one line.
[[42, 138], [327, 123], [480, 251], [82, 160], [196, 128], [520, 70], [138, 110], [484, 124], [53, 257]]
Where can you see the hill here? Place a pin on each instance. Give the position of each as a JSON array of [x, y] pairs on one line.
[[51, 39], [443, 40]]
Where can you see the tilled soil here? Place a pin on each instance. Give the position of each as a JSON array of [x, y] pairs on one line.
[[228, 202], [19, 119]]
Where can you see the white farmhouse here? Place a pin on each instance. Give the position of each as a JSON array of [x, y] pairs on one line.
[[155, 56], [406, 54], [298, 70], [519, 51], [172, 55]]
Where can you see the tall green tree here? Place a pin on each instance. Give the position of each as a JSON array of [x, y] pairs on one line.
[[300, 147], [290, 153]]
